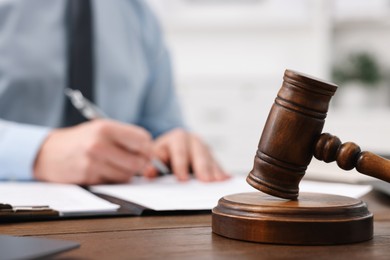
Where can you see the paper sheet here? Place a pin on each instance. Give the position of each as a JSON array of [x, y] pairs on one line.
[[165, 193], [66, 199]]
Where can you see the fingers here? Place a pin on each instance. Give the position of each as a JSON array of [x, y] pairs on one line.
[[150, 172], [205, 167], [160, 151], [103, 172], [132, 138], [118, 157], [172, 149], [219, 174], [179, 156], [185, 151], [201, 161]]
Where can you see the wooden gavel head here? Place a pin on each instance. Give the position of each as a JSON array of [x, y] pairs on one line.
[[292, 135]]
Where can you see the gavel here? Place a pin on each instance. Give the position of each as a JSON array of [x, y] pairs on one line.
[[290, 138], [292, 135]]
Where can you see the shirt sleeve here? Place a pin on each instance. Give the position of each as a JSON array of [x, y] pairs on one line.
[[161, 110], [19, 144]]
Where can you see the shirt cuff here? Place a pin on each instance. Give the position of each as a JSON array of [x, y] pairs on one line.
[[19, 145]]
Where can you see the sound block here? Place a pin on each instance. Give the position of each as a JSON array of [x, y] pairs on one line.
[[312, 219]]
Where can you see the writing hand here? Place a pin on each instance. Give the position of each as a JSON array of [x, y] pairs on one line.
[[98, 151]]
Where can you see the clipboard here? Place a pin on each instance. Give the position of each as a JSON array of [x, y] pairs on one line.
[[8, 212], [32, 201]]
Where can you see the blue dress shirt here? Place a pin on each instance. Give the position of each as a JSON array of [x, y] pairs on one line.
[[133, 81]]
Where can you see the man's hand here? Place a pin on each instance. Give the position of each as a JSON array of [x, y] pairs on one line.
[[184, 151], [99, 151]]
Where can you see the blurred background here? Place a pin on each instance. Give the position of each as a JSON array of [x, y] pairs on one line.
[[229, 57]]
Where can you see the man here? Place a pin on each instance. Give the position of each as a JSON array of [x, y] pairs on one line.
[[127, 65]]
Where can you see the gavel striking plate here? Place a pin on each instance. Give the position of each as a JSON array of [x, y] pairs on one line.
[[291, 137]]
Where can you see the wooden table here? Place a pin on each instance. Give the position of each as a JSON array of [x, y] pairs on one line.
[[190, 237]]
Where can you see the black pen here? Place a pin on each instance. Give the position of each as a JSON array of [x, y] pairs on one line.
[[91, 111]]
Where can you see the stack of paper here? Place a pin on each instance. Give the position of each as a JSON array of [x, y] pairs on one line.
[[160, 194]]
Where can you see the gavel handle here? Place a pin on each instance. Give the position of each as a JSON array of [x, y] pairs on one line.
[[348, 156]]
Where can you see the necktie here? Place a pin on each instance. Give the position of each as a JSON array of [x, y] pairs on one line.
[[80, 55]]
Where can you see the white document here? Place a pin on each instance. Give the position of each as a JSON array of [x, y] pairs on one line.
[[64, 198], [349, 190], [166, 193]]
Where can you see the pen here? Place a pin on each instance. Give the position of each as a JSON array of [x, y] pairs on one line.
[[91, 111]]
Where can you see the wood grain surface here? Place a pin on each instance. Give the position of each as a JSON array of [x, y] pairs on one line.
[[190, 237]]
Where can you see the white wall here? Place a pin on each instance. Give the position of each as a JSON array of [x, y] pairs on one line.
[[229, 58]]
